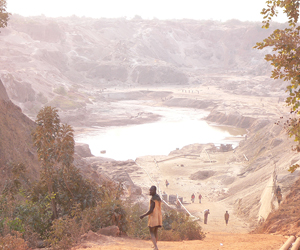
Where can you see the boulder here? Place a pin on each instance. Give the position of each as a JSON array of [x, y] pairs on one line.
[[109, 231], [83, 150], [92, 236]]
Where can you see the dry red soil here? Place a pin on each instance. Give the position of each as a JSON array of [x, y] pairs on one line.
[[213, 241]]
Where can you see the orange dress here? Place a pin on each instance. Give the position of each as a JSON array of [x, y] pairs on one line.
[[155, 218]]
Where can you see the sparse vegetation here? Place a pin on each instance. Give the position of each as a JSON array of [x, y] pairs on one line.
[[222, 148], [61, 205], [65, 103], [60, 90], [285, 220], [41, 98]]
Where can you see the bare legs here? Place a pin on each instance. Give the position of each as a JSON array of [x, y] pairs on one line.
[[154, 236]]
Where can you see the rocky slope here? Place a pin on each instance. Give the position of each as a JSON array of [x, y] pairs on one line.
[[286, 219], [69, 62], [16, 144]]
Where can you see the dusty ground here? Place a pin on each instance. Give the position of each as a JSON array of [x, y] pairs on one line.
[[178, 170], [213, 241]]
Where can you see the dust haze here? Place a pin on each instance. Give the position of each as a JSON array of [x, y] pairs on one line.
[[94, 69]]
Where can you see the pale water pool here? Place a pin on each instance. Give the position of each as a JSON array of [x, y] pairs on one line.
[[177, 128]]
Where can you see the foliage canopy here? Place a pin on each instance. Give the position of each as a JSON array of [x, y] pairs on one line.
[[55, 148], [285, 58], [4, 15]]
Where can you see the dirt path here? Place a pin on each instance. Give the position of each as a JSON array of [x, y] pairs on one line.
[[234, 236], [216, 221], [177, 171], [213, 241]]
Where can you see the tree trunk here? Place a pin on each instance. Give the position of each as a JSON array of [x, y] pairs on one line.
[[53, 202]]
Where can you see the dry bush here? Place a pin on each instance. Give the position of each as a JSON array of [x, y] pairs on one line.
[[13, 241], [32, 238], [65, 232], [285, 220], [168, 235]]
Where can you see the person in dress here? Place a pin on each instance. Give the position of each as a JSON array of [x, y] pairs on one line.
[[154, 215]]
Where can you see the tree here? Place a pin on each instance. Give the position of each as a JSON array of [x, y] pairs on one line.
[[4, 15], [285, 59], [55, 148]]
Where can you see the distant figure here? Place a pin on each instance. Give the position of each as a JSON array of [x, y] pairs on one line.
[[193, 198], [154, 215], [178, 205], [278, 195], [279, 198], [226, 217], [206, 213], [167, 183], [278, 190], [200, 197]]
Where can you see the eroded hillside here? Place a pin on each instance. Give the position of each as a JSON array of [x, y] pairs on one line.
[[69, 62], [16, 144]]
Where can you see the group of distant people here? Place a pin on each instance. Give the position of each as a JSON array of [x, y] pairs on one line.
[[193, 198], [206, 211], [155, 215]]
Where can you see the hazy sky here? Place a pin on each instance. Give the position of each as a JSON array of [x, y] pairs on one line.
[[244, 10]]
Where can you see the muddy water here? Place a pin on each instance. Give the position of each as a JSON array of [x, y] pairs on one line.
[[178, 127]]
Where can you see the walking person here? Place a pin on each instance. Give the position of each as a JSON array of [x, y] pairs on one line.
[[206, 213], [278, 195], [200, 197], [154, 215], [226, 216], [167, 183], [279, 198], [193, 198]]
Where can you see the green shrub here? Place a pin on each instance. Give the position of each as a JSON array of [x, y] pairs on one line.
[[180, 226], [65, 103], [35, 215], [15, 225], [137, 228], [106, 213], [176, 226], [60, 90], [41, 98]]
